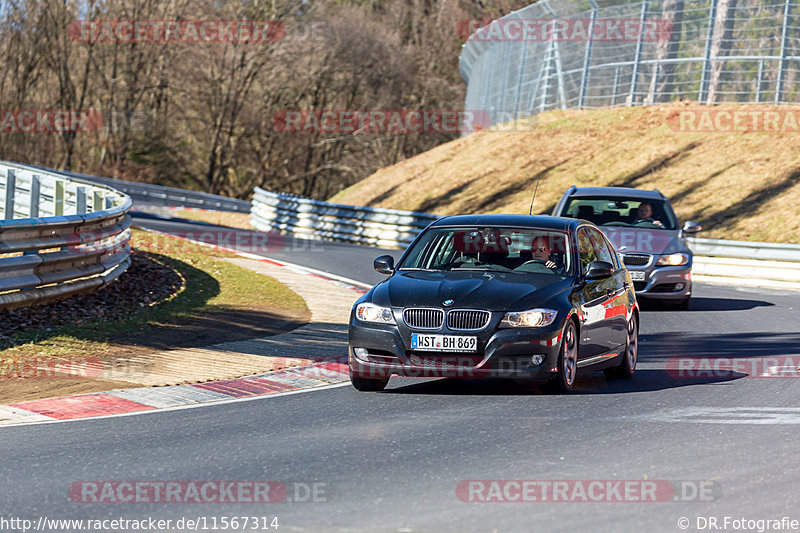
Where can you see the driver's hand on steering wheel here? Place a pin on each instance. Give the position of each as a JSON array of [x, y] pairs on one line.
[[550, 264]]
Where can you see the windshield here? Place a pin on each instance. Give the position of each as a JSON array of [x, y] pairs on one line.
[[627, 212], [520, 250]]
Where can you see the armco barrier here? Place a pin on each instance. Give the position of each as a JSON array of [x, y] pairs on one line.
[[390, 228], [715, 260], [59, 235], [149, 194]]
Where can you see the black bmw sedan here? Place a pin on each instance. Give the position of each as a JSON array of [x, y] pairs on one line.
[[512, 296]]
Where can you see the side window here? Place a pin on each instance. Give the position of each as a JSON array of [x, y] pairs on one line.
[[585, 249], [602, 250]]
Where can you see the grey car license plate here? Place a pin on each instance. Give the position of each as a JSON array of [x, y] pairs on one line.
[[638, 275], [443, 343]]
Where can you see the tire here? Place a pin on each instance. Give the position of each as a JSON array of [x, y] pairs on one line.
[[567, 359], [368, 385], [627, 367]]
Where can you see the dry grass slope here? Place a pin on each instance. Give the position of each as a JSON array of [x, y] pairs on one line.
[[740, 186]]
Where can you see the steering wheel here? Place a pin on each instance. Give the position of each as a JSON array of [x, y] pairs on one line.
[[535, 261]]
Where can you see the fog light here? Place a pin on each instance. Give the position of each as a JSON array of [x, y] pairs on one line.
[[537, 360], [361, 353], [679, 286]]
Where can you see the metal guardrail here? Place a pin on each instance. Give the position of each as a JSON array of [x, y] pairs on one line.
[[745, 249], [392, 228], [149, 194], [304, 217], [59, 235]]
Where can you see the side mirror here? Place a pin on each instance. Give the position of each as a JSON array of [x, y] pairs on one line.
[[384, 264], [599, 270], [692, 227]]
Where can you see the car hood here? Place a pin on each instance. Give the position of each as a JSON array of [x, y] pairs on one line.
[[644, 240], [494, 291]]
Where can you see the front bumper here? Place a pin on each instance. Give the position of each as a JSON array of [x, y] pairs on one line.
[[380, 351], [665, 283]]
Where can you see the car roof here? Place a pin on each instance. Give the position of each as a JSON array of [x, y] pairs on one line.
[[622, 192], [525, 221]]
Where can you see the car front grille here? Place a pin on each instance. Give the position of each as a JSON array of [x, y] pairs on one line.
[[636, 259], [466, 319], [424, 318]]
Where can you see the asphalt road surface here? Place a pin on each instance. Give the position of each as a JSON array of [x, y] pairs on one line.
[[400, 460]]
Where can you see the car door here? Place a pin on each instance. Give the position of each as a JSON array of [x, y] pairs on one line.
[[592, 302], [614, 331]]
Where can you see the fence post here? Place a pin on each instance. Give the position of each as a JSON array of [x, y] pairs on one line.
[[58, 198], [787, 12], [11, 190], [520, 76], [35, 192], [638, 54], [615, 92], [758, 82], [712, 15], [587, 57], [546, 77], [560, 77]]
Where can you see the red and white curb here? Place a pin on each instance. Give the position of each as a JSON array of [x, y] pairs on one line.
[[324, 374], [319, 375]]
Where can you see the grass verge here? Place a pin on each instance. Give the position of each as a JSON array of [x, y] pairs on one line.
[[211, 301]]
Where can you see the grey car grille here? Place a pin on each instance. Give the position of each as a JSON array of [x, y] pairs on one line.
[[424, 318], [467, 319], [636, 259]]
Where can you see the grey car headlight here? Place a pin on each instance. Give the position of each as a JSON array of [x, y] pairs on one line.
[[533, 318], [367, 312], [673, 260]]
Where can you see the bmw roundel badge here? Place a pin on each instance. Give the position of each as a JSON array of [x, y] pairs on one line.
[[448, 303]]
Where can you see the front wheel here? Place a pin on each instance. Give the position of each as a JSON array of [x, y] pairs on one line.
[[368, 385], [568, 359], [631, 356]]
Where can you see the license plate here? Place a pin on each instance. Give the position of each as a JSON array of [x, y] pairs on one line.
[[443, 343], [638, 275]]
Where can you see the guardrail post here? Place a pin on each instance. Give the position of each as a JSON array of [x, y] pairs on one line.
[[11, 189], [35, 192], [80, 200], [109, 202], [97, 201], [58, 198]]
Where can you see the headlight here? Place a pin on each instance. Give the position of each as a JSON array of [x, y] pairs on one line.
[[673, 260], [534, 318], [367, 312]]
